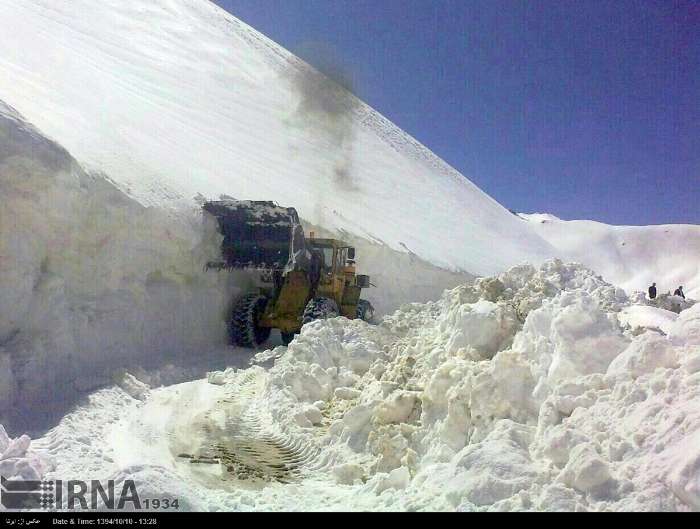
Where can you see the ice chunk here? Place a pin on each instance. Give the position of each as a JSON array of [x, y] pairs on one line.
[[586, 470], [16, 448], [646, 353]]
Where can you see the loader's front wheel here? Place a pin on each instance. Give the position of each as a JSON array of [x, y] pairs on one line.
[[287, 337], [244, 327], [365, 310], [320, 309]]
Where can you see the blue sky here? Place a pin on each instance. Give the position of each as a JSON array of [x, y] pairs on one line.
[[584, 109]]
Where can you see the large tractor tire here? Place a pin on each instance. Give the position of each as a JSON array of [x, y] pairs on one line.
[[244, 327], [365, 310], [320, 309], [287, 337]]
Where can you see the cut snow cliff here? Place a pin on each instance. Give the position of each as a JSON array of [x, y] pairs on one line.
[[91, 280], [177, 97]]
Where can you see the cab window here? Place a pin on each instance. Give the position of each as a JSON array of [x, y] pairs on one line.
[[327, 259], [340, 258]]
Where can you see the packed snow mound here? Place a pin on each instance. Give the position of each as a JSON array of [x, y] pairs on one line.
[[483, 399], [673, 303], [643, 317], [632, 257], [177, 98], [523, 391]]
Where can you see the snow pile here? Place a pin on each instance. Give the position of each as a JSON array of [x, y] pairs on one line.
[[673, 303], [639, 318], [525, 391], [522, 391]]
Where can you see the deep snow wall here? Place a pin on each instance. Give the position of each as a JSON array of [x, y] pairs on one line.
[[90, 280]]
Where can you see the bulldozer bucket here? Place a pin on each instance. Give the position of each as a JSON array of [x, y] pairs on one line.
[[257, 234]]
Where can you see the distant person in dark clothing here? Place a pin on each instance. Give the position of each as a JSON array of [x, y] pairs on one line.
[[652, 291], [679, 292]]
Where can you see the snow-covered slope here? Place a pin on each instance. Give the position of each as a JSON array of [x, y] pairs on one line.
[[542, 388], [177, 97], [630, 256]]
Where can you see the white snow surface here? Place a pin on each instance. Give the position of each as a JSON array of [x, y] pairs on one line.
[[177, 98], [648, 317], [632, 257], [558, 406], [91, 280], [540, 387]]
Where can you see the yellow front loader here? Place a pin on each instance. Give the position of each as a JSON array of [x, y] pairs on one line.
[[301, 279]]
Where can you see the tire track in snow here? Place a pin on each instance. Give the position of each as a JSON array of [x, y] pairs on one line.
[[241, 436]]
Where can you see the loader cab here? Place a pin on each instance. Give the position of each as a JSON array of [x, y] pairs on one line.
[[336, 278], [335, 256]]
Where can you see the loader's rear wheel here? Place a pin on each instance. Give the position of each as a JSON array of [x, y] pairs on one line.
[[320, 309], [287, 337], [244, 328], [365, 310]]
